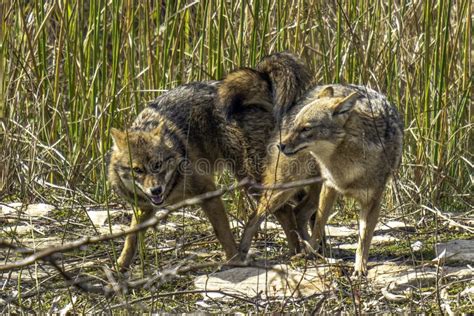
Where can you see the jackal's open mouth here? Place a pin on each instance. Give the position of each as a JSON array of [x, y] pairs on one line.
[[293, 152], [159, 199], [156, 199]]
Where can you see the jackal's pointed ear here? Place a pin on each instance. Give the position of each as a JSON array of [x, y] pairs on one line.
[[119, 137], [327, 92], [345, 105]]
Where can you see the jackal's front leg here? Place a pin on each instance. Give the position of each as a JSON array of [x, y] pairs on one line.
[[131, 241], [268, 203], [326, 201]]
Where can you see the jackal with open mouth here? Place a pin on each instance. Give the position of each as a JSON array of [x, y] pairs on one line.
[[179, 141]]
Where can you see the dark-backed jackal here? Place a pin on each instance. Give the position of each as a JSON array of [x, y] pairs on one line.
[[180, 140], [354, 136]]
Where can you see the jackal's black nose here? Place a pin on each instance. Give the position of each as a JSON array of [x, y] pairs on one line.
[[281, 147], [156, 191]]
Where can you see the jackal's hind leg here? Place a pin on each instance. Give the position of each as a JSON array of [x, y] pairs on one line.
[[368, 219], [215, 211], [287, 220]]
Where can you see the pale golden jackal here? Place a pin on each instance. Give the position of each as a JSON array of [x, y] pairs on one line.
[[180, 140], [354, 136]]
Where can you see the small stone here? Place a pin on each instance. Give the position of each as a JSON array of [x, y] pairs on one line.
[[268, 225], [340, 231], [236, 224], [457, 250], [169, 226], [203, 304], [99, 216], [376, 240], [352, 246], [11, 209], [392, 225], [281, 281], [468, 292], [116, 228], [32, 210], [417, 245], [18, 229], [383, 239], [400, 277]]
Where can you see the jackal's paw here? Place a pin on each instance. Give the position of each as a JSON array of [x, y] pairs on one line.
[[237, 259], [359, 276], [309, 251], [298, 256], [122, 267], [125, 260], [250, 255]]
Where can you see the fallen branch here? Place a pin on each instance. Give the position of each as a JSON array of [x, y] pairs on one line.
[[161, 214], [48, 253]]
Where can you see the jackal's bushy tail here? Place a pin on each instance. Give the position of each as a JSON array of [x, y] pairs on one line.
[[289, 77], [243, 88], [276, 83]]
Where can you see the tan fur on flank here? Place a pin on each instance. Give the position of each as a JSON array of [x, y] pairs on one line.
[[354, 136]]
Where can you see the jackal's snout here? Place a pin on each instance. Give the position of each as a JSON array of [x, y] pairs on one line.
[[289, 150], [156, 195], [156, 190], [281, 147]]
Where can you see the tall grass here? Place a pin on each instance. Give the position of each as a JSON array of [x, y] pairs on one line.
[[72, 69]]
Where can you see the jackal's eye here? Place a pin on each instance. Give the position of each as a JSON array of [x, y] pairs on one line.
[[305, 129], [156, 166], [138, 170]]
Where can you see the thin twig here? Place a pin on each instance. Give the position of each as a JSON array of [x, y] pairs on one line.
[[454, 223]]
